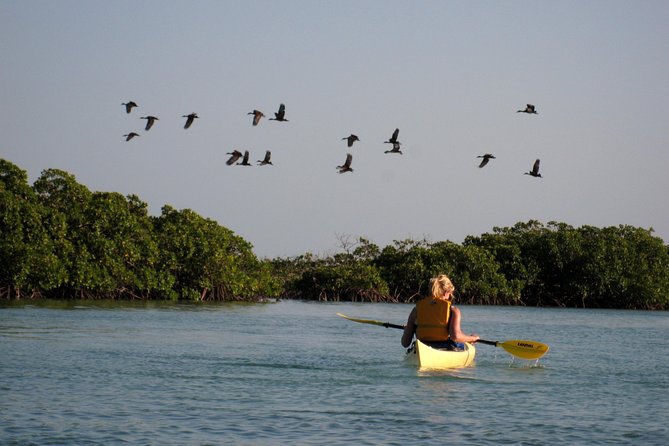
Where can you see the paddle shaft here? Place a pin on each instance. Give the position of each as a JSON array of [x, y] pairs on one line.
[[521, 349], [401, 327], [372, 322], [389, 325]]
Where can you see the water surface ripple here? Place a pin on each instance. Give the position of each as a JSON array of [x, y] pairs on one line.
[[294, 373]]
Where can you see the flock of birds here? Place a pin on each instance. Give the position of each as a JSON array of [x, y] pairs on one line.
[[529, 109], [280, 116]]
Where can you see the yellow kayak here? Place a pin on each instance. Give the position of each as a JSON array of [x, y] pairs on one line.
[[425, 356]]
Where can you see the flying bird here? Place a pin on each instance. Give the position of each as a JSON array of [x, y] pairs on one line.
[[530, 109], [351, 139], [149, 121], [346, 167], [245, 159], [393, 139], [257, 115], [266, 160], [130, 135], [280, 115], [190, 118], [487, 157], [129, 105], [234, 156], [535, 170], [395, 149]]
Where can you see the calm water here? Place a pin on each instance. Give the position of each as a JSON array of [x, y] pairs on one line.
[[294, 373]]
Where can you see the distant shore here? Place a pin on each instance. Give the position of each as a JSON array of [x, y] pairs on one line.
[[59, 240]]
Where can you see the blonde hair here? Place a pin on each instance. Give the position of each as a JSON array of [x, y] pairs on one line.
[[441, 285]]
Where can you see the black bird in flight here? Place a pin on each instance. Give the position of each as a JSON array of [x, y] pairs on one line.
[[149, 121], [190, 118], [393, 139], [130, 135], [395, 149], [535, 170], [234, 156], [266, 160], [257, 115], [530, 109], [129, 105], [245, 159], [351, 139], [280, 115], [346, 167], [487, 157]]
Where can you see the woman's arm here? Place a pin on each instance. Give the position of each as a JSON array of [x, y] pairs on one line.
[[455, 332], [409, 329]]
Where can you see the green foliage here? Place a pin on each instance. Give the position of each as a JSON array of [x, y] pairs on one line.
[[556, 264], [527, 264], [399, 272], [59, 239], [341, 279], [201, 255], [407, 266], [625, 267], [345, 276], [475, 274], [28, 257]]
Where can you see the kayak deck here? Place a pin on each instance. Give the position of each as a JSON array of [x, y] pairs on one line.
[[424, 356]]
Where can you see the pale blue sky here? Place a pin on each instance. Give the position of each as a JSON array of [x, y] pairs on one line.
[[450, 75]]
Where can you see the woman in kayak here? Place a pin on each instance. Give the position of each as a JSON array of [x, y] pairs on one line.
[[435, 321]]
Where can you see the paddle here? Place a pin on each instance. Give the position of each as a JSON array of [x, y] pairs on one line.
[[369, 321], [521, 349], [518, 348]]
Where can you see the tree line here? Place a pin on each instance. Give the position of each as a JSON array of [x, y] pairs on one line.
[[528, 264], [60, 240]]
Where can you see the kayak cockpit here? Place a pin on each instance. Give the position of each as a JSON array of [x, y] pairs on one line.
[[424, 356]]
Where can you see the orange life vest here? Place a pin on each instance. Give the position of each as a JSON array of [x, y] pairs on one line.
[[432, 317]]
